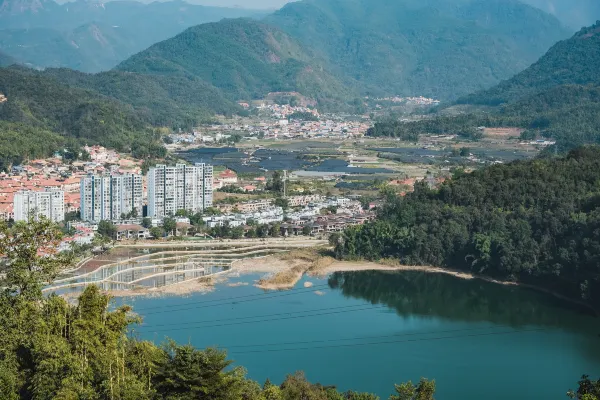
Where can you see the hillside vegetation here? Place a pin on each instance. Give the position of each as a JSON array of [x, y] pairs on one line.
[[173, 101], [536, 222], [38, 105], [441, 49], [243, 58], [558, 97], [573, 61]]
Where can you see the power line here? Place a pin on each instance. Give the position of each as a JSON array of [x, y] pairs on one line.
[[388, 342], [275, 319], [254, 316], [232, 300], [363, 337]]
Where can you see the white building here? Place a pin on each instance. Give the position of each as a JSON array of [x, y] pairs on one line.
[[179, 187], [108, 197], [50, 204]]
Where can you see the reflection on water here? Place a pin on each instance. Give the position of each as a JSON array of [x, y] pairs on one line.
[[468, 335], [440, 295]]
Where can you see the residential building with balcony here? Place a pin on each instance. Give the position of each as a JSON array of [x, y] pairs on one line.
[[49, 203], [108, 197], [179, 187]]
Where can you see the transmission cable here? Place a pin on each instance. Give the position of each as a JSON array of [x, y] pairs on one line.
[[274, 319], [258, 297], [252, 316], [388, 342]]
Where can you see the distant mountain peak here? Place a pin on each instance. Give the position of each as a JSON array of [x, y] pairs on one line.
[[15, 7]]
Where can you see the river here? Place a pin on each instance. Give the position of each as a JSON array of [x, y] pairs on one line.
[[368, 330]]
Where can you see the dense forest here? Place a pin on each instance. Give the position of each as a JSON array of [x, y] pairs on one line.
[[173, 101], [42, 116], [427, 48], [558, 97], [533, 221], [569, 62], [54, 349], [244, 58], [570, 114]]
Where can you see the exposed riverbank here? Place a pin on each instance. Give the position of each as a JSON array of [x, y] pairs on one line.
[[285, 270]]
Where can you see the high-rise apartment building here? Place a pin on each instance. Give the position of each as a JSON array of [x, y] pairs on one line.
[[108, 197], [50, 204], [179, 187]]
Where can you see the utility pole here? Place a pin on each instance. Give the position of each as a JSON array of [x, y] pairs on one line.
[[284, 184]]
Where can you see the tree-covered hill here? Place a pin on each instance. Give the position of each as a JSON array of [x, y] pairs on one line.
[[573, 61], [244, 58], [173, 101], [38, 105], [441, 49], [536, 222]]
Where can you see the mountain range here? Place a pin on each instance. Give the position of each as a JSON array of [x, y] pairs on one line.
[[421, 47], [323, 49], [94, 36], [569, 62], [243, 58], [375, 47]]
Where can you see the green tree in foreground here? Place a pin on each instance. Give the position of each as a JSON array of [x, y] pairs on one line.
[[588, 389], [54, 349], [30, 257], [409, 391]]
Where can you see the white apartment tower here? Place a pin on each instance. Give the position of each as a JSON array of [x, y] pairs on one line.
[[107, 197], [50, 204], [179, 187]]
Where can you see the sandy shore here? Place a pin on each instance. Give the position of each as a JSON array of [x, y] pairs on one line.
[[278, 266], [295, 268]]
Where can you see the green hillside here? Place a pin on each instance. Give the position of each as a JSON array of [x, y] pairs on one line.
[[243, 58], [572, 61], [174, 101], [534, 221], [441, 49], [558, 97], [38, 105]]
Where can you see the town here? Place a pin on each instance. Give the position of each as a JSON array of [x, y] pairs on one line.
[[107, 195]]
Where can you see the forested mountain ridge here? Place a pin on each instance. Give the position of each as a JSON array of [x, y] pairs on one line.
[[94, 36], [534, 222], [573, 61], [244, 58], [42, 115], [421, 47], [173, 101]]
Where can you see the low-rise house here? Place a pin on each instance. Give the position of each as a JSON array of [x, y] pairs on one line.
[[133, 231]]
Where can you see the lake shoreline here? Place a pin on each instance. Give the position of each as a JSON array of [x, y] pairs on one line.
[[275, 266]]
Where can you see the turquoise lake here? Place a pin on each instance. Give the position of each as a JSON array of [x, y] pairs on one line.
[[368, 330]]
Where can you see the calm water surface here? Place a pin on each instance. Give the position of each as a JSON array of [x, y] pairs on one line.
[[368, 330]]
